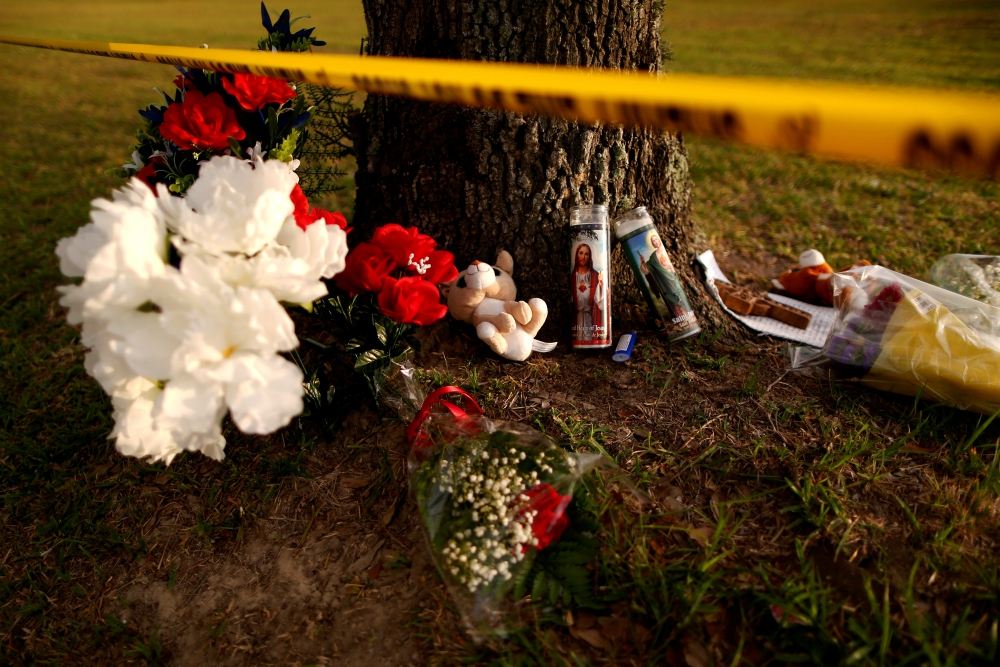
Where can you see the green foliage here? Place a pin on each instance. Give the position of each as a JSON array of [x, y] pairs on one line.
[[559, 574], [181, 185], [284, 150], [326, 139]]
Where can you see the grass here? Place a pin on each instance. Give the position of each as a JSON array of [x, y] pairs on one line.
[[810, 523]]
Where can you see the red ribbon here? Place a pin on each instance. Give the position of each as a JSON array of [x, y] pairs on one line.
[[433, 399]]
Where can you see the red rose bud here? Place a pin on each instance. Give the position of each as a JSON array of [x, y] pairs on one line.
[[301, 204], [411, 301], [330, 218], [437, 267], [201, 122], [403, 245], [305, 217], [253, 92], [365, 270], [148, 173], [551, 521]]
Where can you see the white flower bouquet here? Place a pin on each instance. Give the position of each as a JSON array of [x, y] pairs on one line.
[[181, 303]]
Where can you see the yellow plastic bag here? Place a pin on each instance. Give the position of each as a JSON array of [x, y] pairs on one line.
[[905, 336], [927, 347]]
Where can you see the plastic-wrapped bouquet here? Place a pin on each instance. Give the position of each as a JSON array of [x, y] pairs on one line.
[[905, 336], [503, 506], [974, 276]]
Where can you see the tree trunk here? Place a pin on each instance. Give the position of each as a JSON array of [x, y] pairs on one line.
[[481, 181]]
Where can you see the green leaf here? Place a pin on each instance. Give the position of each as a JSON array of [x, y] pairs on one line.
[[523, 576], [538, 589], [182, 184], [272, 123], [370, 361], [234, 146]]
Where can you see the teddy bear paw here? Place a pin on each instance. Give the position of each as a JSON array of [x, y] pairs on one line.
[[505, 323], [520, 311]]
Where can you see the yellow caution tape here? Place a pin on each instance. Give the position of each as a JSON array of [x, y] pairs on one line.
[[920, 128]]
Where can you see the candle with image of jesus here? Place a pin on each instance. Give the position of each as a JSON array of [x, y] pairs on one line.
[[590, 276]]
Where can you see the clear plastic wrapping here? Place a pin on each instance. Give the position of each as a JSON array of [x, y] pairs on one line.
[[492, 496], [974, 276], [902, 335]]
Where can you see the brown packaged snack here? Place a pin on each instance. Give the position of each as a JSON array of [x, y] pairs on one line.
[[791, 316], [748, 301], [737, 299]]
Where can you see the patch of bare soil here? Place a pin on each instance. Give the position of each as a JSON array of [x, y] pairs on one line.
[[329, 576]]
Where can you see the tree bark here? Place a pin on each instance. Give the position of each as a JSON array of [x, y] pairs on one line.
[[481, 181]]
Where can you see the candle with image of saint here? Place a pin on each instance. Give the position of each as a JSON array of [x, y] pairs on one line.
[[655, 274], [590, 276]]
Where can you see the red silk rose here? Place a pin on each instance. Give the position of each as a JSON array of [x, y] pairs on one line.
[[366, 269], [305, 217], [201, 122], [253, 92], [411, 301], [550, 520], [403, 245], [437, 267]]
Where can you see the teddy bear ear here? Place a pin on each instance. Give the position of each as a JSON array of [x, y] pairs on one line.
[[446, 289], [505, 262]]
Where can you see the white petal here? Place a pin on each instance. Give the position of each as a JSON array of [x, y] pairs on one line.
[[147, 346], [189, 405], [264, 393], [235, 206]]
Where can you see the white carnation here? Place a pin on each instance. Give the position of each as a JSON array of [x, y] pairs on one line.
[[178, 348], [291, 267], [234, 206], [228, 356]]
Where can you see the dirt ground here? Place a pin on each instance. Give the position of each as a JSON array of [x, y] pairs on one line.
[[334, 574]]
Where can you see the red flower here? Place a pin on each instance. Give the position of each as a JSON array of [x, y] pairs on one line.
[[403, 245], [411, 301], [437, 267], [148, 173], [331, 218], [551, 521], [181, 81], [253, 92], [201, 122], [301, 204], [366, 269], [304, 217]]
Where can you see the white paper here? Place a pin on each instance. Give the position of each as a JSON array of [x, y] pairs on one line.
[[815, 334]]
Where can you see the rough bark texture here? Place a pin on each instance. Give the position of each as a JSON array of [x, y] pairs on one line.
[[482, 181]]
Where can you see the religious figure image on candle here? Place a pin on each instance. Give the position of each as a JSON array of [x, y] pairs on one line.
[[662, 278], [589, 295]]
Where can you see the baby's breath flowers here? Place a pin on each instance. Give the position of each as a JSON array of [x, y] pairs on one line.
[[493, 490]]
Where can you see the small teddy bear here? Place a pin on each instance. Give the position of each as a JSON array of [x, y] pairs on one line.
[[810, 279], [485, 297]]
